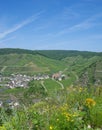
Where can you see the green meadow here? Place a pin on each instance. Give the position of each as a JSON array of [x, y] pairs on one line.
[[74, 103], [73, 108]]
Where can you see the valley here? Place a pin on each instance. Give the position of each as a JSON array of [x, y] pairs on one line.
[[51, 83]]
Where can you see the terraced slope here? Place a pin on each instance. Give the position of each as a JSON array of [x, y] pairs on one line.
[[80, 67], [28, 63]]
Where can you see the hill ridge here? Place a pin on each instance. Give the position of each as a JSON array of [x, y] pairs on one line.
[[54, 54]]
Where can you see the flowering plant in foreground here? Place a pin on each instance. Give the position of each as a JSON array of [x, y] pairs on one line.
[[75, 111], [90, 102], [2, 128]]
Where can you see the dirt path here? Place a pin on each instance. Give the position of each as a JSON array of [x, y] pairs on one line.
[[60, 84], [42, 83], [2, 70]]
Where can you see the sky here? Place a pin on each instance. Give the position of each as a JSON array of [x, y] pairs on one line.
[[51, 24]]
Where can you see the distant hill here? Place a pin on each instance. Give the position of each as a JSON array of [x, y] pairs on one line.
[[26, 61], [81, 67], [54, 54]]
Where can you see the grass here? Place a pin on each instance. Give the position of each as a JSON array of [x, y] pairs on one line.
[[28, 63], [33, 64], [73, 108], [70, 80], [51, 85], [14, 91]]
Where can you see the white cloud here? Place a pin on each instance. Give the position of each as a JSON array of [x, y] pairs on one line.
[[5, 40], [86, 24], [20, 25]]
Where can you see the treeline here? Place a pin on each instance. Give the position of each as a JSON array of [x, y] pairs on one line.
[[60, 54], [6, 51], [54, 54]]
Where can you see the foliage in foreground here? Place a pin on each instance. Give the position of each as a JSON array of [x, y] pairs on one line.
[[76, 108]]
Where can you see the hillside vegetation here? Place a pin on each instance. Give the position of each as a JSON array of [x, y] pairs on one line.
[[28, 63], [73, 108], [74, 103], [80, 67], [54, 54]]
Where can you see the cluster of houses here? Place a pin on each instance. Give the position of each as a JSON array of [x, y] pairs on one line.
[[20, 80], [41, 77], [58, 76]]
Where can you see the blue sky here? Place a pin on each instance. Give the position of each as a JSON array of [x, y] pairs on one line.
[[51, 24]]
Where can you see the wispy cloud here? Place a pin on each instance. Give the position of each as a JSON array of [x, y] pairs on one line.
[[2, 42], [8, 39], [20, 25], [69, 14], [89, 23], [86, 24]]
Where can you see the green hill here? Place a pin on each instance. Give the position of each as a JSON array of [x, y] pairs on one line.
[[28, 63], [72, 103], [54, 54], [80, 67], [86, 70]]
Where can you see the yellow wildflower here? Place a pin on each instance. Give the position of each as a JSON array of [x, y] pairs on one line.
[[80, 89], [2, 128], [64, 107], [67, 115], [75, 114], [51, 128], [57, 119], [90, 102]]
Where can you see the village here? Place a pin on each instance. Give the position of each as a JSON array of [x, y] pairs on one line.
[[21, 81]]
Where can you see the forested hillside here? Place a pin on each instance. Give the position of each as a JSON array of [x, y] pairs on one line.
[[54, 54], [27, 102], [80, 67]]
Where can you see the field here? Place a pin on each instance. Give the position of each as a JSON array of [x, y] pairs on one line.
[[84, 66], [73, 108], [74, 103], [28, 64]]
